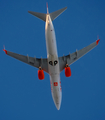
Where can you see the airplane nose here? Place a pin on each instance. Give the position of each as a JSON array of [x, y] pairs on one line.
[[57, 101], [57, 106]]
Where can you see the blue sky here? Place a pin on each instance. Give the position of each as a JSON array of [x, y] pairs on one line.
[[22, 95]]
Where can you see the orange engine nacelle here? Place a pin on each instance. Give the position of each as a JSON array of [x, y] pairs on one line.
[[67, 71], [40, 74]]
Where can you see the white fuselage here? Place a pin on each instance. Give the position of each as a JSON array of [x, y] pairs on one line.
[[53, 62]]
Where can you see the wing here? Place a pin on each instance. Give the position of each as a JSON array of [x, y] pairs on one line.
[[71, 58], [36, 62]]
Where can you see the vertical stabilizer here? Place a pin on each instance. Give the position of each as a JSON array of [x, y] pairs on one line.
[[47, 8]]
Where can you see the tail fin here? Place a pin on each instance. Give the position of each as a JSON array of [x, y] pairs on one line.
[[47, 8], [53, 15]]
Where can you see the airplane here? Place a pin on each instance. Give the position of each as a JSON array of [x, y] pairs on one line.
[[53, 64]]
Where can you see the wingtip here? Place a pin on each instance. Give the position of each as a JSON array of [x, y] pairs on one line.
[[97, 41], [5, 51], [66, 7], [30, 11]]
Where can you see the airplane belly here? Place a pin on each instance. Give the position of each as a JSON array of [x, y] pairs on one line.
[[56, 89], [51, 46], [55, 80], [53, 62], [50, 39]]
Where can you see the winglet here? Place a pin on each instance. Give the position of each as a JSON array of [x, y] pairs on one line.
[[97, 41], [5, 50]]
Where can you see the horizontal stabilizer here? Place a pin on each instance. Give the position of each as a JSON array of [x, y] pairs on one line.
[[41, 16], [55, 14]]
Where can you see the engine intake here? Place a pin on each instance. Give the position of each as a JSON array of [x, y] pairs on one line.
[[67, 71]]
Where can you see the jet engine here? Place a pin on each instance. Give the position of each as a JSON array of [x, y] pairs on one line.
[[67, 71], [40, 74]]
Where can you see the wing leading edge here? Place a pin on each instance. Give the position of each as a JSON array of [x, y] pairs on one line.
[[71, 58], [35, 62]]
